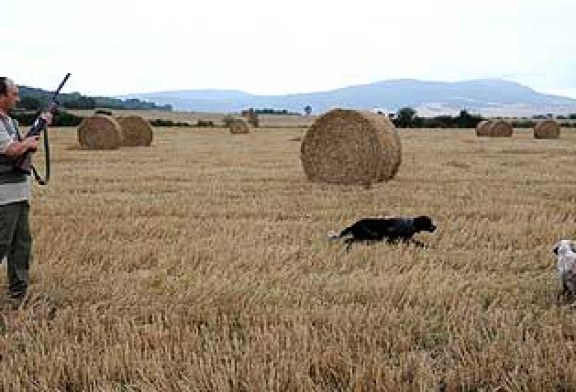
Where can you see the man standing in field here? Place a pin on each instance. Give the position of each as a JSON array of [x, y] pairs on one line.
[[15, 192]]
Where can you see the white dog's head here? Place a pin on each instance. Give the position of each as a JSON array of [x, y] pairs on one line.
[[565, 256]]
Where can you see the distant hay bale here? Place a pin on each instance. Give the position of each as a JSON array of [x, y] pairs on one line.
[[500, 128], [136, 131], [103, 111], [252, 117], [99, 132], [351, 147], [483, 128], [547, 129], [494, 128], [238, 126]]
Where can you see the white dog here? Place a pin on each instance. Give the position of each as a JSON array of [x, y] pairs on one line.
[[566, 268]]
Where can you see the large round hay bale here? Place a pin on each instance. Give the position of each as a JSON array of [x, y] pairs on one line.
[[136, 131], [99, 132], [351, 147], [547, 129], [483, 128], [238, 125], [500, 128], [391, 146]]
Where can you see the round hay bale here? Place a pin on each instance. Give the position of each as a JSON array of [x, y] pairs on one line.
[[99, 132], [238, 125], [351, 147], [500, 128], [136, 131], [253, 119], [103, 111], [547, 129], [483, 128]]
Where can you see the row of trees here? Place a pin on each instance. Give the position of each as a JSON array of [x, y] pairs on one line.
[[407, 118], [571, 116], [275, 111], [36, 99]]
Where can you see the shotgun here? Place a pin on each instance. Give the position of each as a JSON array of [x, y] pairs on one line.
[[24, 163]]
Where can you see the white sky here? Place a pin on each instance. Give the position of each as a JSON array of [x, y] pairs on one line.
[[277, 47]]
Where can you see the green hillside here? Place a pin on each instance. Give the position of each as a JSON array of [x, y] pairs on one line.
[[35, 98]]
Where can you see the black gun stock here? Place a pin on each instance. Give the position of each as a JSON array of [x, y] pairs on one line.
[[24, 163]]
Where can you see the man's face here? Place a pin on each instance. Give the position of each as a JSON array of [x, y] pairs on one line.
[[10, 99]]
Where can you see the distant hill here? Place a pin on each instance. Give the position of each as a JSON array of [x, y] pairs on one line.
[[34, 98], [485, 96]]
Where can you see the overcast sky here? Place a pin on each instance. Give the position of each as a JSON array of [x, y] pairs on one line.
[[277, 47]]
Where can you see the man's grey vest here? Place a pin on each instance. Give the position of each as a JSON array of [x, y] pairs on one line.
[[8, 174]]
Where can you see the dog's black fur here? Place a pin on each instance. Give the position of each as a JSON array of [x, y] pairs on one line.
[[390, 230]]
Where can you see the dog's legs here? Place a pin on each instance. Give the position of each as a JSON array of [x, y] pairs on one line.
[[348, 242], [570, 291], [560, 296], [566, 295], [371, 242], [419, 244]]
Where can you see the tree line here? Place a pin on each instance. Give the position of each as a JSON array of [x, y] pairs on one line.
[[407, 118], [36, 99]]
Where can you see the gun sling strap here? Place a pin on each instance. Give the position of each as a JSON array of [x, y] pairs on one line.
[[39, 126], [39, 179], [37, 176]]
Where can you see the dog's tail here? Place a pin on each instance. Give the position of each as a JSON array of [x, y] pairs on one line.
[[334, 235]]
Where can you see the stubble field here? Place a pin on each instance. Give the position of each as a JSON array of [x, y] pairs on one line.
[[202, 263]]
